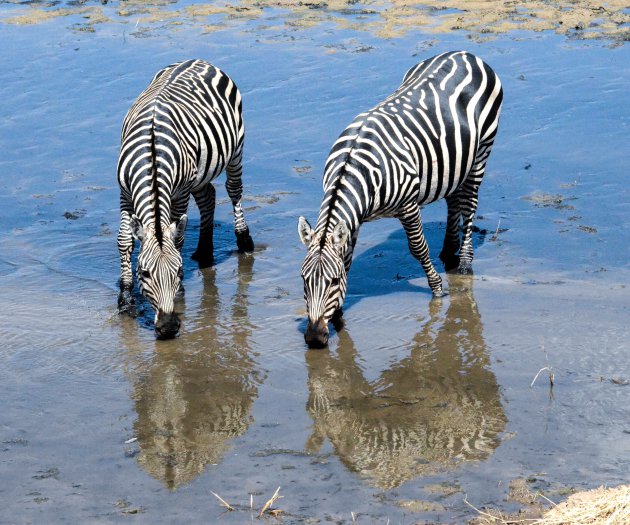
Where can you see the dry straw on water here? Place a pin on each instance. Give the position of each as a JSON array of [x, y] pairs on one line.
[[601, 506], [596, 507]]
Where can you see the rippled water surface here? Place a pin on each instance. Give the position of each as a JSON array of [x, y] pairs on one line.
[[416, 404]]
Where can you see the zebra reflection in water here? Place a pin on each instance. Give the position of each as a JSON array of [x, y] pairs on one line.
[[432, 410], [194, 396]]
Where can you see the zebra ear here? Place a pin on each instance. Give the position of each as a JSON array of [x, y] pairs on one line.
[[305, 231], [178, 228], [340, 235], [137, 230]]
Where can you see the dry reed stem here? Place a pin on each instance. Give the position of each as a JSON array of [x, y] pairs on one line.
[[276, 496], [551, 376], [223, 502], [496, 233]]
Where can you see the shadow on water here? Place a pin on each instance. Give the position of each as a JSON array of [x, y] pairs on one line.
[[388, 267], [433, 409], [193, 395]]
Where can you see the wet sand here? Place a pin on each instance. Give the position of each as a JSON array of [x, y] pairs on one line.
[[415, 404]]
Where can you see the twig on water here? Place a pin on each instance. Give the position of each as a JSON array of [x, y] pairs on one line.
[[549, 370], [223, 502], [551, 376], [496, 233], [276, 496], [354, 517]]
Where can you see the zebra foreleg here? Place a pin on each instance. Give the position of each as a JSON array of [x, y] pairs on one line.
[[412, 223], [205, 198], [126, 303], [448, 255], [234, 187]]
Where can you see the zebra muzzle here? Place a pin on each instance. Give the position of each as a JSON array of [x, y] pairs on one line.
[[167, 325], [316, 335]]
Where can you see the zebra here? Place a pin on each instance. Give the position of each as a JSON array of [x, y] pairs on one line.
[[428, 140], [183, 130]]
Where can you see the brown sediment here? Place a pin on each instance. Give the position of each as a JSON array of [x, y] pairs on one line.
[[579, 19]]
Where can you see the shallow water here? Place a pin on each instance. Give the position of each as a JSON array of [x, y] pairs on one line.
[[416, 403]]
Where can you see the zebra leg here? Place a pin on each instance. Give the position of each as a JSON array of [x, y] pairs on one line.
[[412, 223], [468, 207], [205, 197], [125, 250], [234, 187], [448, 255]]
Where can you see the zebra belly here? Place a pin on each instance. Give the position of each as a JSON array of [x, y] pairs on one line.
[[209, 166]]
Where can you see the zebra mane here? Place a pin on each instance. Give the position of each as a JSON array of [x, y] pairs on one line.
[[154, 185], [334, 197], [333, 200]]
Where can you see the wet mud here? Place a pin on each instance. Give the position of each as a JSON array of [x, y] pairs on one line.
[[416, 404]]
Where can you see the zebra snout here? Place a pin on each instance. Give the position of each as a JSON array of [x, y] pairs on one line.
[[166, 325], [316, 335]]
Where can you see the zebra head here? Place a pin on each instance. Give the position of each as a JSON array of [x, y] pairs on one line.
[[160, 272], [325, 278]]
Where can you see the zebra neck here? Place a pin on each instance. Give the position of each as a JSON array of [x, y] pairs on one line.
[[326, 225]]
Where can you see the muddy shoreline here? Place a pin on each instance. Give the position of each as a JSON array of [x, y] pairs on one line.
[[579, 20]]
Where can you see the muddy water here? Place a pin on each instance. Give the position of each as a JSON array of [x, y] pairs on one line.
[[415, 404]]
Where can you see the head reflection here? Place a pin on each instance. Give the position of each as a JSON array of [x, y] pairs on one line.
[[433, 409], [194, 394]]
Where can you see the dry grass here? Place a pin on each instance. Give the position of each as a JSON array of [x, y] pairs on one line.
[[223, 502], [602, 506], [267, 507]]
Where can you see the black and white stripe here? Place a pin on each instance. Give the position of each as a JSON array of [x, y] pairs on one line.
[[179, 135], [429, 140]]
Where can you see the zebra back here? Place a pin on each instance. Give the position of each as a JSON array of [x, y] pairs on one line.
[[417, 145], [181, 132]]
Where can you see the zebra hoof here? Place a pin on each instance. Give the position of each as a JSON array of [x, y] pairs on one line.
[[337, 319], [465, 268], [204, 259], [244, 241], [126, 304], [438, 294], [451, 262]]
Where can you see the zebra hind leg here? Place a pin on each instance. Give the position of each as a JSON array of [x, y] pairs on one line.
[[448, 255], [205, 198], [126, 303], [234, 187], [412, 223], [468, 207]]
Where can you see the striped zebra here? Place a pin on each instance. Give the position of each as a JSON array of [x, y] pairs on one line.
[[429, 140], [184, 129]]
